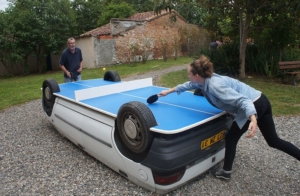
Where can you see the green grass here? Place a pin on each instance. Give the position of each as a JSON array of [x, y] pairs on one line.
[[19, 90], [285, 98]]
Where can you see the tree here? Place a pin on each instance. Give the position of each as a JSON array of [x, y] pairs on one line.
[[137, 5], [258, 14], [10, 54], [37, 28], [87, 14], [246, 13], [122, 10]]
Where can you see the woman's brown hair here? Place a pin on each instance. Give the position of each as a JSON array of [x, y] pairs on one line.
[[203, 67]]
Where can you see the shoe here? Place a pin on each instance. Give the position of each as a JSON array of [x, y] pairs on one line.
[[220, 173]]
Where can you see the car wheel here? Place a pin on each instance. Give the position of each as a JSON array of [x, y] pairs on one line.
[[134, 122], [112, 75], [50, 86]]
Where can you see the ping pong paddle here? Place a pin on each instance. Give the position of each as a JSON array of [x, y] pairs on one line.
[[74, 75], [152, 98]]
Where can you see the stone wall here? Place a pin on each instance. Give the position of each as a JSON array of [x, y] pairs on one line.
[[104, 52], [156, 31]]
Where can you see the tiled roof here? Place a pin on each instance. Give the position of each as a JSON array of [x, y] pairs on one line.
[[104, 30], [144, 16]]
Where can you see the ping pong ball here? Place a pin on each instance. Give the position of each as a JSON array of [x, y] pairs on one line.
[[104, 68]]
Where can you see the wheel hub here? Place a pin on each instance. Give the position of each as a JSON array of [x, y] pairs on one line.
[[48, 93], [130, 129]]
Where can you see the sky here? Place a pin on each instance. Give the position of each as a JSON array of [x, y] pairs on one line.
[[3, 4]]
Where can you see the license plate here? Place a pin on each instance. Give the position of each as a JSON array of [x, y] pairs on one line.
[[210, 141]]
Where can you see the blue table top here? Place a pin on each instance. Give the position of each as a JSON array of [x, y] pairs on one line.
[[173, 113]]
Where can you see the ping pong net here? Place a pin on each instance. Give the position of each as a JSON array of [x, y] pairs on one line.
[[112, 89]]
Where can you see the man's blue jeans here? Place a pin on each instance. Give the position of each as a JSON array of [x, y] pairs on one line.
[[78, 78]]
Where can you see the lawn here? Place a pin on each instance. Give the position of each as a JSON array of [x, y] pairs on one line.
[[284, 98]]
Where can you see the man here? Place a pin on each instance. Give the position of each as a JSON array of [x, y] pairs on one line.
[[71, 62], [213, 45]]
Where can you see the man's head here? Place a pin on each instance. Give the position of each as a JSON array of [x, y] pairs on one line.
[[71, 43]]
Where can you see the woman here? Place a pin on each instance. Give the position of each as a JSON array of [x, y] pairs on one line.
[[249, 107]]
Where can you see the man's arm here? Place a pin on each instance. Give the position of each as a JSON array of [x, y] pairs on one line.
[[80, 67], [62, 63], [65, 71]]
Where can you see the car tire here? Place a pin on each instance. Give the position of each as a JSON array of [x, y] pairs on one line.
[[50, 86], [112, 75], [134, 121]]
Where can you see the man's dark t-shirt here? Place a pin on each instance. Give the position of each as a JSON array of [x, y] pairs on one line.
[[213, 45], [70, 60]]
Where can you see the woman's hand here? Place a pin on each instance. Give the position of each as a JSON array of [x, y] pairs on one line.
[[252, 126], [163, 93], [166, 92]]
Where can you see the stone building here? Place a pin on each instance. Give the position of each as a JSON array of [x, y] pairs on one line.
[[141, 36]]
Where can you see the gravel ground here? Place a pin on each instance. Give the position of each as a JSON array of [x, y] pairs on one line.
[[36, 160]]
